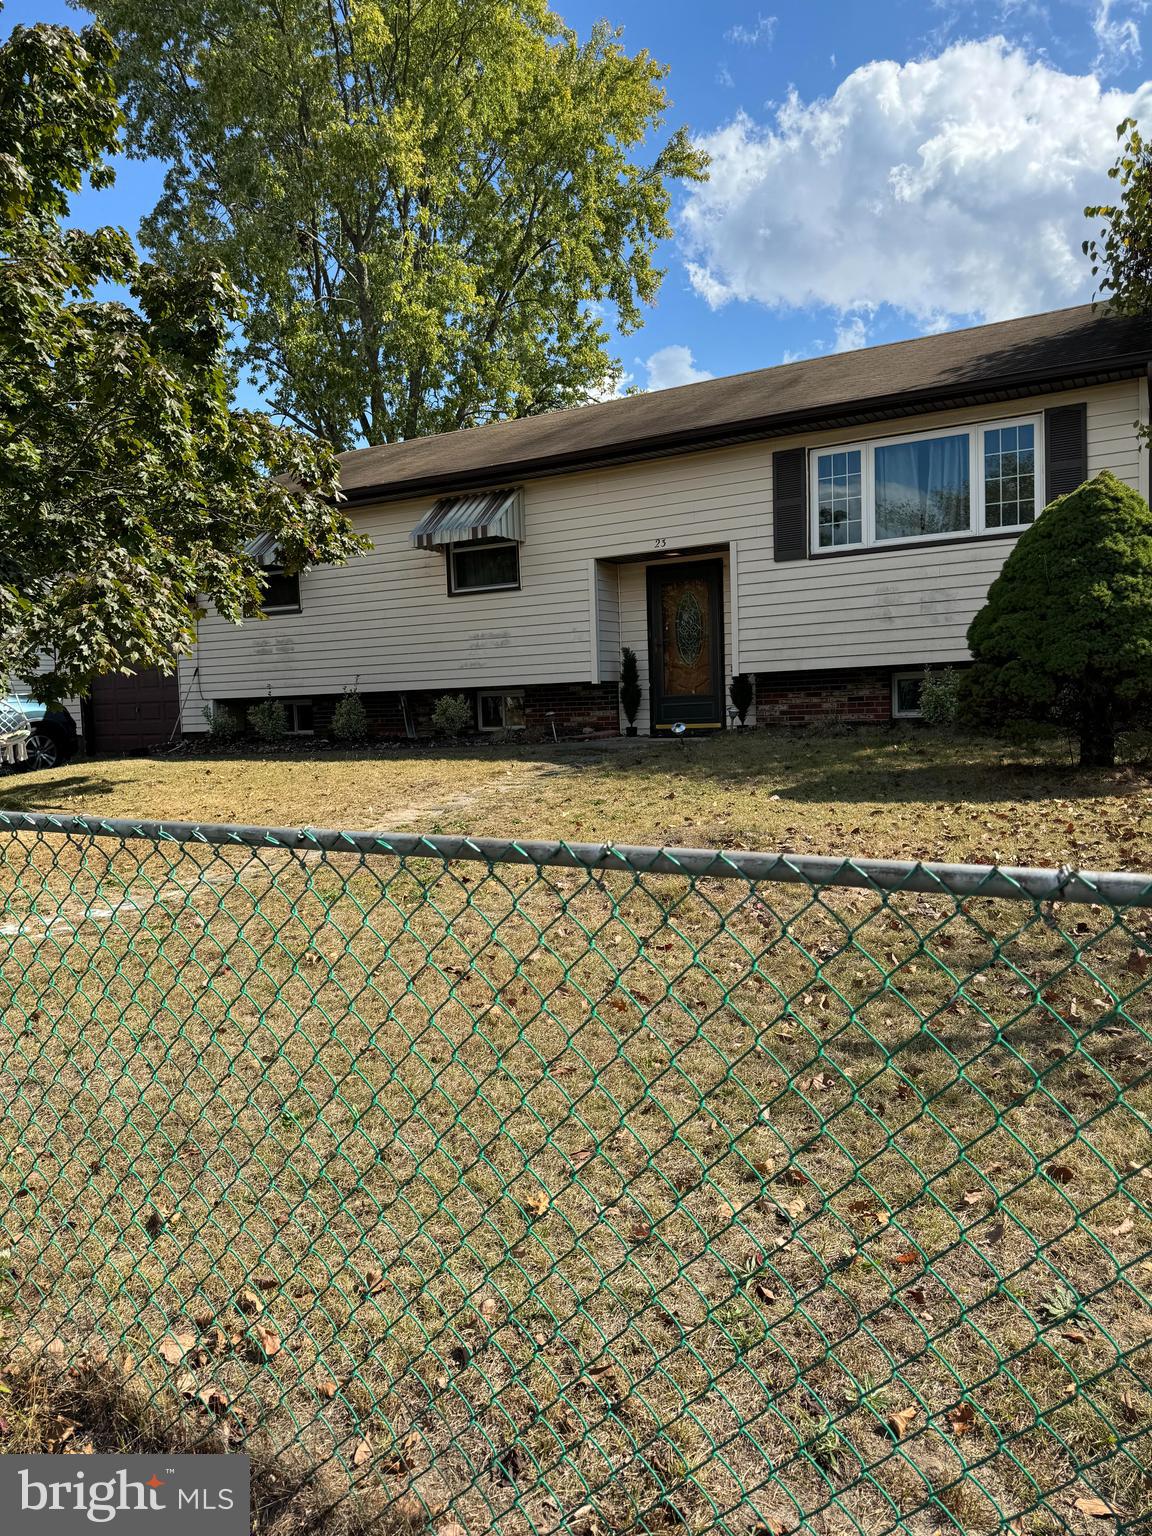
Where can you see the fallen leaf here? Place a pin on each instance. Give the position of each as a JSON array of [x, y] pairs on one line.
[[326, 1387], [639, 1232], [175, 1347], [961, 1419], [911, 1257], [249, 1303], [214, 1400], [537, 1203], [362, 1453], [1096, 1507], [901, 1421], [1133, 1407], [268, 1340], [1059, 1173], [453, 1528], [1124, 1228]]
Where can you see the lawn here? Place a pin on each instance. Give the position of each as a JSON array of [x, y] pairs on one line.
[[881, 794], [549, 1202]]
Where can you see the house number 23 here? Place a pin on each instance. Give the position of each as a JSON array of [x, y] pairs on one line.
[[661, 543]]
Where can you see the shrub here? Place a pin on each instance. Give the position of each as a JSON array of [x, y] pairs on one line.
[[451, 715], [225, 725], [940, 697], [268, 721], [629, 684], [350, 719], [741, 692], [1066, 633]]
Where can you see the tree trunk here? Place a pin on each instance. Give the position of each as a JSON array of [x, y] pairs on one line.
[[1098, 735]]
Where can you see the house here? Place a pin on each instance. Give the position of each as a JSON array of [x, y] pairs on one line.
[[828, 526]]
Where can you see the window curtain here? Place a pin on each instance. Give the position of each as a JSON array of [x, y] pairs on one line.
[[923, 488]]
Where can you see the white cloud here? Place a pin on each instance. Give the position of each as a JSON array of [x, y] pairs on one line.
[[946, 187], [762, 31], [724, 77], [671, 366], [1117, 35], [851, 334]]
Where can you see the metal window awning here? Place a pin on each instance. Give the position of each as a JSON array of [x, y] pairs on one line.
[[482, 515], [265, 550]]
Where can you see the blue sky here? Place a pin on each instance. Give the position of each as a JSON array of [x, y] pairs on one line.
[[880, 169]]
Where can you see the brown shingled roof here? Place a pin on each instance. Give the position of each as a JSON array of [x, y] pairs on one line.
[[1064, 348]]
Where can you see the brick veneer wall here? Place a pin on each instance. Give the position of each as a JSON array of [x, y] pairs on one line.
[[857, 696], [575, 708]]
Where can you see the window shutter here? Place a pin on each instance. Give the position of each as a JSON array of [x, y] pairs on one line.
[[1065, 449], [790, 504]]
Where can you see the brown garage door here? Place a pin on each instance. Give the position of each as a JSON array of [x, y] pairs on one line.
[[128, 714]]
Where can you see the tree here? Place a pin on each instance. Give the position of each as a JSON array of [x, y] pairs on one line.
[[1066, 633], [429, 208], [127, 484], [1121, 255]]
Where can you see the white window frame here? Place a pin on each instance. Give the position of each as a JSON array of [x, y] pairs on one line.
[[897, 677], [501, 694], [499, 586], [866, 447]]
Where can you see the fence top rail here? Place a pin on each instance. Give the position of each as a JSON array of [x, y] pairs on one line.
[[1117, 888]]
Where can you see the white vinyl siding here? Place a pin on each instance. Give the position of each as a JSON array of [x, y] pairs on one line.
[[388, 619]]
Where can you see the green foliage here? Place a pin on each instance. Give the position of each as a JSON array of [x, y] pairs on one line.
[[225, 725], [350, 719], [1066, 633], [452, 715], [1121, 254], [629, 684], [940, 697], [429, 207], [128, 485], [268, 721], [741, 692]]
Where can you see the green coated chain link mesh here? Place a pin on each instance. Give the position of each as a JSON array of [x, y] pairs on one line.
[[537, 1188]]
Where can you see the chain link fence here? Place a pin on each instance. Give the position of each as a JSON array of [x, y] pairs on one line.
[[538, 1188]]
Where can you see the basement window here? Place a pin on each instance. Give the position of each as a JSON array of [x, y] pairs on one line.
[[301, 718], [906, 688], [499, 711]]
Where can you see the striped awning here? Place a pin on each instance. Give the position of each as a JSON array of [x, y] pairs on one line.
[[482, 515], [264, 549]]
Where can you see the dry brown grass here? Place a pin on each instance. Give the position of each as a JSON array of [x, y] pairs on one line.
[[885, 794], [576, 1203], [655, 1228]]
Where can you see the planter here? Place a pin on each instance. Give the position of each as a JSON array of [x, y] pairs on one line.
[[630, 730]]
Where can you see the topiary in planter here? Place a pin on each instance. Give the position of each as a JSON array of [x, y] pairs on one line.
[[741, 692], [629, 687]]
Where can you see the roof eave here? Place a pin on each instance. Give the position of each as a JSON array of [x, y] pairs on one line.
[[777, 424]]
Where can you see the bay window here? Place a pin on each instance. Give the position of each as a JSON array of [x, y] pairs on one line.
[[968, 481]]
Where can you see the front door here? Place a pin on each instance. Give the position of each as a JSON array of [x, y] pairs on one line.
[[686, 644]]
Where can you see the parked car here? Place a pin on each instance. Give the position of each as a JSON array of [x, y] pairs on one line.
[[51, 733], [14, 734]]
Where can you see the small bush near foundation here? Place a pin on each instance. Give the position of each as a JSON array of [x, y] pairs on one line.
[[350, 720], [225, 725], [940, 697], [451, 715], [268, 721]]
